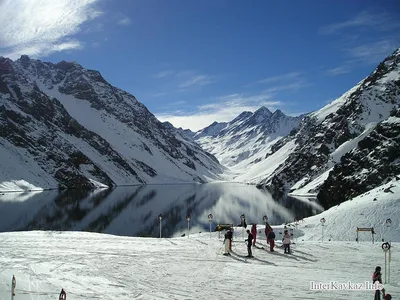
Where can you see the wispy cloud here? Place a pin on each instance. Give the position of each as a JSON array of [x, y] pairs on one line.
[[124, 21], [285, 82], [284, 77], [373, 52], [367, 38], [164, 73], [288, 87], [222, 109], [185, 80], [381, 22], [38, 28], [197, 80], [339, 70]]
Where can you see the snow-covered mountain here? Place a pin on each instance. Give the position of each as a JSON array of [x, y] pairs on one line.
[[348, 147], [247, 139], [63, 125]]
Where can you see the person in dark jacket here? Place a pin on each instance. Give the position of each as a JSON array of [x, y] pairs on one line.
[[229, 235], [63, 295], [249, 243], [267, 230], [271, 240], [377, 278]]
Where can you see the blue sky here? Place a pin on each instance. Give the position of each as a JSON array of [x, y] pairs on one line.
[[195, 62]]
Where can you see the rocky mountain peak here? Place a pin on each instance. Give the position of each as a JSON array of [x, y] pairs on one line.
[[5, 65], [244, 115], [263, 111], [67, 66]]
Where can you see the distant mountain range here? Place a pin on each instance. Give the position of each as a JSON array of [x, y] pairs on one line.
[[247, 139], [62, 125], [336, 153]]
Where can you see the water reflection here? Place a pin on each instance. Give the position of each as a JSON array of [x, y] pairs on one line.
[[134, 210]]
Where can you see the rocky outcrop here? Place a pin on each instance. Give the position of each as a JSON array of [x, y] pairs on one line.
[[375, 161]]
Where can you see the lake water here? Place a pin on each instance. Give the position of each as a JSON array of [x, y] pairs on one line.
[[134, 210]]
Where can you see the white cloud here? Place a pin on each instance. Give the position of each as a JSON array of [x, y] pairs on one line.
[[287, 87], [284, 77], [223, 109], [339, 70], [38, 28], [185, 80], [381, 22], [197, 80], [164, 73], [124, 21], [373, 52], [285, 82]]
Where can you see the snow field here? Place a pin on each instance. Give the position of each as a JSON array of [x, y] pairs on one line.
[[100, 266]]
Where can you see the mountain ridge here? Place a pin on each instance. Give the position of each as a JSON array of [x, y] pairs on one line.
[[326, 135], [101, 133]]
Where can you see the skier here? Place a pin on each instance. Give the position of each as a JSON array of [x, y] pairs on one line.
[[228, 242], [230, 236], [254, 233], [63, 295], [271, 240], [377, 277], [286, 242], [267, 230], [249, 243]]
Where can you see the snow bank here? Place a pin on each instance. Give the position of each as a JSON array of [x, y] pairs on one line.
[[371, 209]]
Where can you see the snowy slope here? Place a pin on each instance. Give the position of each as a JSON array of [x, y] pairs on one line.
[[72, 127], [92, 266]]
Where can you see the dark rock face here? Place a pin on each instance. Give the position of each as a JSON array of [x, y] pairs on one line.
[[37, 114], [375, 161], [325, 140]]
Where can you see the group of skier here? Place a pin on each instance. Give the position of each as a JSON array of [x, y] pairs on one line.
[[252, 238]]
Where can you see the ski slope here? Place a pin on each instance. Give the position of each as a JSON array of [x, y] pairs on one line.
[[102, 266]]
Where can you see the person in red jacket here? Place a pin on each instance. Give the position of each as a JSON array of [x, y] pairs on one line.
[[254, 233]]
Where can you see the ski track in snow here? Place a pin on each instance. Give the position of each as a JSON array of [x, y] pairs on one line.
[[101, 266]]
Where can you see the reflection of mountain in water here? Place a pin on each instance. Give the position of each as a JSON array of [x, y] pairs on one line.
[[134, 210]]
